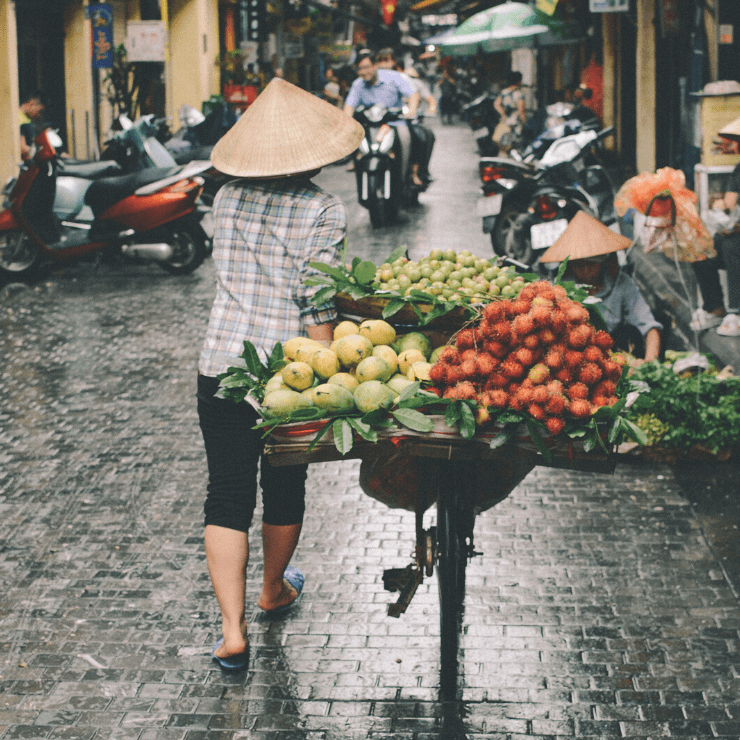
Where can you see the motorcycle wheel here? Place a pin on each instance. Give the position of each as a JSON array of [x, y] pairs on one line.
[[377, 206], [504, 223], [518, 244], [189, 243], [19, 255]]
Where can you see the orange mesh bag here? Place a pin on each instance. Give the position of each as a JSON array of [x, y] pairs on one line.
[[673, 224]]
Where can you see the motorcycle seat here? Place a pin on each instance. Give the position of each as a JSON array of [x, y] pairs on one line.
[[103, 193], [194, 154], [90, 170]]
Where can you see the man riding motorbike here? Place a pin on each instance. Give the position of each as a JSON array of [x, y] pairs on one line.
[[390, 89]]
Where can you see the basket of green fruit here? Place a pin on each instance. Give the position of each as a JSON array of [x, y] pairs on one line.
[[442, 290]]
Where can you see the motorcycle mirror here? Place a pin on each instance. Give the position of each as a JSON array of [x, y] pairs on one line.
[[54, 139], [125, 121]]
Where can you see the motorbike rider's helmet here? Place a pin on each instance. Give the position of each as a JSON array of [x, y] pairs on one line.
[[287, 131]]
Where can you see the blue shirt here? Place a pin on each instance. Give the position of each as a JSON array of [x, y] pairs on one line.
[[622, 301], [389, 90], [265, 235]]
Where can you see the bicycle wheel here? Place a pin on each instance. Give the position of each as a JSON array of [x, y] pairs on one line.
[[452, 558]]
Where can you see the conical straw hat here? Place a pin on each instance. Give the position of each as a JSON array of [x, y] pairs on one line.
[[584, 238], [286, 131], [732, 129]]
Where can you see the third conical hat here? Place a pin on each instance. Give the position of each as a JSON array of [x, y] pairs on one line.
[[585, 237], [731, 129], [286, 131]]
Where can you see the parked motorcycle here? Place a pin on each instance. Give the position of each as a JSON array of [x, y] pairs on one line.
[[568, 178], [149, 216], [198, 133], [381, 169], [483, 118]]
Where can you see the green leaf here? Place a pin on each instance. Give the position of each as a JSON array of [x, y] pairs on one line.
[[252, 361], [561, 271], [364, 272], [396, 253], [364, 430], [534, 432], [467, 421], [342, 435], [277, 359], [236, 381], [422, 297], [320, 297], [318, 436], [452, 414], [413, 420], [393, 306], [409, 391], [376, 417], [634, 432], [336, 272], [307, 414], [503, 436]]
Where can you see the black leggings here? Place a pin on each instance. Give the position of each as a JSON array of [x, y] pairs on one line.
[[233, 451]]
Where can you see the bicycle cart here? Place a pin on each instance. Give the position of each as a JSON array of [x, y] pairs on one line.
[[463, 478]]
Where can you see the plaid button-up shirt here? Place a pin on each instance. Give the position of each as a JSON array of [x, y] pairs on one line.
[[265, 236]]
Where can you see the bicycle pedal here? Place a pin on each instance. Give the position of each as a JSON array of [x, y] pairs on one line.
[[396, 579]]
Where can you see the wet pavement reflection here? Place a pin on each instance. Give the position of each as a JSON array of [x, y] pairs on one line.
[[603, 606]]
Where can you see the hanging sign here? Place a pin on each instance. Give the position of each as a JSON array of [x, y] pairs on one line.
[[388, 9], [101, 17], [726, 35], [146, 41], [608, 6]]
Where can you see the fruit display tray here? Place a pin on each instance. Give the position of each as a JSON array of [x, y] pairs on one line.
[[371, 307], [289, 443]]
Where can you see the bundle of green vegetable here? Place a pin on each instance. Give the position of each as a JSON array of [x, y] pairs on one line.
[[681, 410]]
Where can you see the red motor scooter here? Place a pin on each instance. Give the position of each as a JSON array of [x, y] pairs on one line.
[[149, 216]]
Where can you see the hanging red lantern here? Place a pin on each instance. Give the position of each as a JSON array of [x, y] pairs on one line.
[[388, 8]]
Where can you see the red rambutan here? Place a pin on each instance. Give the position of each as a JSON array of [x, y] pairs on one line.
[[547, 336], [468, 354], [536, 412], [590, 373], [496, 348], [450, 356], [500, 332], [544, 289], [520, 306], [494, 312], [528, 292], [465, 339], [522, 325], [555, 425], [515, 404], [577, 391], [499, 398], [575, 312], [558, 321], [525, 395], [580, 408], [497, 380], [612, 370], [485, 364], [564, 376], [573, 359], [450, 392], [578, 337], [556, 404], [600, 401], [593, 354], [605, 388], [524, 355], [540, 394], [603, 339], [468, 370], [540, 314], [555, 386], [560, 292], [465, 390], [438, 373], [437, 391], [531, 341], [554, 359], [512, 369]]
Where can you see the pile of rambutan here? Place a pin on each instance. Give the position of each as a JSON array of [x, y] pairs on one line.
[[536, 354]]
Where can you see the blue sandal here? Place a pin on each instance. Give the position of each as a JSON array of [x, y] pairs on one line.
[[236, 662], [295, 578]]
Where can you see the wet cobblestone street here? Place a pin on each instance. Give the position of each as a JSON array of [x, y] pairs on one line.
[[601, 607]]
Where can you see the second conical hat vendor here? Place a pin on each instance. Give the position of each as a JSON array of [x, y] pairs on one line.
[[591, 250], [270, 224]]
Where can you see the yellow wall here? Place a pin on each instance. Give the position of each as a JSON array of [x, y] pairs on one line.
[[611, 48], [78, 82], [194, 45], [10, 150], [646, 134]]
